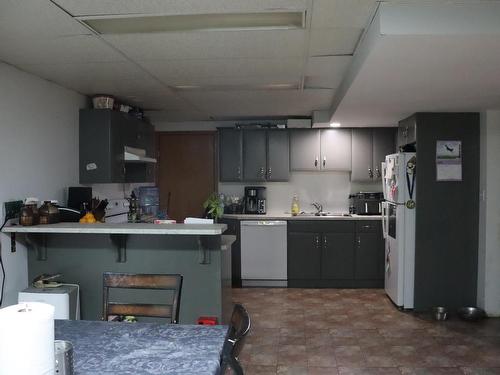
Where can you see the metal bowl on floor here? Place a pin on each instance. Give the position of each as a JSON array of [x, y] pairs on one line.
[[471, 313], [440, 313]]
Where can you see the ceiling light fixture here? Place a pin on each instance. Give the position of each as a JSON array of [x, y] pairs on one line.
[[335, 124], [133, 24], [222, 87]]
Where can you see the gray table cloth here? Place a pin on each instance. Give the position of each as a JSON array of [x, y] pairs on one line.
[[107, 348]]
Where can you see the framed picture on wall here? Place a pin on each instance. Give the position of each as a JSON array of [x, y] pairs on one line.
[[449, 160]]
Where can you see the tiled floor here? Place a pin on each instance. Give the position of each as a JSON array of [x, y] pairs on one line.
[[346, 331]]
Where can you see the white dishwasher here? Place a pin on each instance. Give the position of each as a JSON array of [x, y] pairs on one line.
[[263, 253]]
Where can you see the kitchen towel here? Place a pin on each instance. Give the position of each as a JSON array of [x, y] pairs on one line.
[[27, 339]]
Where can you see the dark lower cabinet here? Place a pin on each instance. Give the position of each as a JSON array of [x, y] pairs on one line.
[[335, 254], [304, 255], [233, 229]]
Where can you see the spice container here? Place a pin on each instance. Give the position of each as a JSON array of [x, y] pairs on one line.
[[49, 213], [26, 216]]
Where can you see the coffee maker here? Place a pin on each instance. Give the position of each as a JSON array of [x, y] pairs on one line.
[[255, 200]]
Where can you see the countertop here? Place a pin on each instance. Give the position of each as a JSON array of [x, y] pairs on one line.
[[299, 217], [125, 228]]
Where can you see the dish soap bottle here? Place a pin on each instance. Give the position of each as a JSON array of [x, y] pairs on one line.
[[295, 205]]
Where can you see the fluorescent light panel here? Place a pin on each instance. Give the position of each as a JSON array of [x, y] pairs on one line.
[[222, 87], [192, 22]]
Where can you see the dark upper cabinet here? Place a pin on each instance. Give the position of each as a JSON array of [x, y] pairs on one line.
[[316, 150], [230, 155], [305, 145], [369, 148], [383, 145], [254, 155], [362, 155], [278, 160], [336, 149], [103, 135], [407, 131]]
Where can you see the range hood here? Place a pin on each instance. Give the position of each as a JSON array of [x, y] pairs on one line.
[[137, 155]]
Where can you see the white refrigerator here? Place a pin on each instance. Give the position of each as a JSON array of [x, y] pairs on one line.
[[398, 226]]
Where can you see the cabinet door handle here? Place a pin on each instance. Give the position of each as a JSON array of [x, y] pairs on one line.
[[269, 172], [377, 170], [324, 161], [359, 241], [317, 241], [262, 171], [316, 162], [238, 171], [324, 241], [370, 173]]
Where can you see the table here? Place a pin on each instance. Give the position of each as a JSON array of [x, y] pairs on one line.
[[109, 348]]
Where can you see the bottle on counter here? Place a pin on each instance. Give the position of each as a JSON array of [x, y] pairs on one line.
[[295, 209]]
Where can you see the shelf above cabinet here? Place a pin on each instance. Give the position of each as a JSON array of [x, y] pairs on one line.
[[136, 155]]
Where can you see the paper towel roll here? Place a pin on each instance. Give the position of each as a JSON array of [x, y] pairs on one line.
[[27, 339]]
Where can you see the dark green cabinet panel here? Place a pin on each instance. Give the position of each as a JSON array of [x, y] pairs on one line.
[[369, 250], [233, 229], [346, 253], [337, 259], [254, 155], [362, 154], [304, 255], [369, 148], [304, 150], [230, 155], [336, 149], [278, 158], [103, 134]]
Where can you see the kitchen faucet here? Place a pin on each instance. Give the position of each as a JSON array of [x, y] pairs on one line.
[[318, 207]]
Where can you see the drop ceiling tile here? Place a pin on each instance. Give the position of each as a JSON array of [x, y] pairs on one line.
[[189, 70], [334, 41], [36, 19], [261, 103], [211, 45], [326, 71], [342, 13], [73, 73], [328, 65], [71, 49], [102, 7], [176, 116]]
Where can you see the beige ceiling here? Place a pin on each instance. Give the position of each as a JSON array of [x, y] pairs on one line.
[[43, 37]]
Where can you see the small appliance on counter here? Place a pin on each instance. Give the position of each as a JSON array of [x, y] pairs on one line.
[[149, 203], [79, 198], [233, 205], [255, 200], [366, 203]]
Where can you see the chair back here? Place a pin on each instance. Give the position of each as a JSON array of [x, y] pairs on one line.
[[142, 281], [235, 339]]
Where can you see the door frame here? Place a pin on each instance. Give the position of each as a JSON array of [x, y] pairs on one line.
[[158, 134]]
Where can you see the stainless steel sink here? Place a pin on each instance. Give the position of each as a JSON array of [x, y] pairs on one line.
[[325, 214]]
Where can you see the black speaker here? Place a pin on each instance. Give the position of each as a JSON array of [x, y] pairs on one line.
[[78, 195]]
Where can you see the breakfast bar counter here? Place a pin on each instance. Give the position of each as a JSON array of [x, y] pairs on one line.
[[83, 252]]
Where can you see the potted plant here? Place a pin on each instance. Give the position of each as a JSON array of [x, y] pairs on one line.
[[214, 208]]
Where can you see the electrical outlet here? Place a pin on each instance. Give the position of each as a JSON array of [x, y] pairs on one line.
[[12, 209]]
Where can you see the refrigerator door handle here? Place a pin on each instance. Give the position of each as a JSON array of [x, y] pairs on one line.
[[384, 224]]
